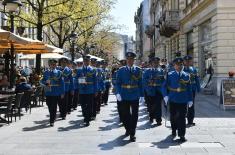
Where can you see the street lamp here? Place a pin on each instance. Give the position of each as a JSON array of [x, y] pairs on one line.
[[72, 39], [11, 7]]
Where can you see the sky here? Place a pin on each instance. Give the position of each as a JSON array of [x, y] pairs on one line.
[[123, 13]]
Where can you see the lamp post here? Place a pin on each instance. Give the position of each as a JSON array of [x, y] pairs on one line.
[[10, 7], [72, 39]]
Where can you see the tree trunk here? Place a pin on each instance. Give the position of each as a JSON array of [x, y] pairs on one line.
[[38, 56]]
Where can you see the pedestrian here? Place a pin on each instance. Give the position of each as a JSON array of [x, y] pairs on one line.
[[153, 79], [177, 90], [97, 98], [75, 86], [23, 85], [130, 93], [194, 78], [100, 89], [87, 87], [54, 88], [107, 82], [66, 103]]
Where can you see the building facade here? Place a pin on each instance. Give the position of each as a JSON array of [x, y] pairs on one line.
[[142, 20], [204, 29]]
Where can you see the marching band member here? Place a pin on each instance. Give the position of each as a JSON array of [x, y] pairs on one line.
[[177, 90], [54, 88], [130, 93], [192, 71]]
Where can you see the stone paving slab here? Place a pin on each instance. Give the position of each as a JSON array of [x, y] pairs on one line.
[[214, 134]]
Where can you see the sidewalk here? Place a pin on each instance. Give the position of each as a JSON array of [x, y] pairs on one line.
[[213, 134]]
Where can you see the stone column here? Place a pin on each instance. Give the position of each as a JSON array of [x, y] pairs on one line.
[[223, 41], [196, 50]]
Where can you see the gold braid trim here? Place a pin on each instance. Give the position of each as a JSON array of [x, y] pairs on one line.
[[56, 78]]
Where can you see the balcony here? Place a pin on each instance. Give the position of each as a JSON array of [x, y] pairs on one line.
[[169, 23], [150, 30]]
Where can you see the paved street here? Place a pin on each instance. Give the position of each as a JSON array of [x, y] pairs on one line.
[[214, 134]]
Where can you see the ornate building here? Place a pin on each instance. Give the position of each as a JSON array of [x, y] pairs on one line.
[[142, 20], [204, 29]]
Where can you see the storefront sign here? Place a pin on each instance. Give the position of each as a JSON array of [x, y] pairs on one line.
[[228, 92]]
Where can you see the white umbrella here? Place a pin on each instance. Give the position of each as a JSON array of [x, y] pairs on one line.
[[43, 56], [92, 56]]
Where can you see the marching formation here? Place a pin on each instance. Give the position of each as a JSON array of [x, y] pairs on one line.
[[88, 84], [71, 84]]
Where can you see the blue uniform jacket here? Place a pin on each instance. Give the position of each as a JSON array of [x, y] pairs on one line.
[[56, 86], [153, 79], [100, 79], [90, 85], [68, 78], [192, 71], [107, 81], [178, 88], [75, 81], [129, 83]]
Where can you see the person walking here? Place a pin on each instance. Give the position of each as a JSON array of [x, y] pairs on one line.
[[130, 93], [153, 79], [54, 88], [177, 90], [194, 78], [87, 87]]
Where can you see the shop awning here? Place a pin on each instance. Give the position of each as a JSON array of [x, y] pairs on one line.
[[53, 49], [43, 56], [20, 44]]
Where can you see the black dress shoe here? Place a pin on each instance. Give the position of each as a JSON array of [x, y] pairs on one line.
[[173, 133], [193, 124], [63, 118], [159, 123], [87, 124], [127, 133], [51, 124], [132, 138], [190, 124], [182, 139]]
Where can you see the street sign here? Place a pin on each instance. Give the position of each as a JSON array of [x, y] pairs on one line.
[[228, 93]]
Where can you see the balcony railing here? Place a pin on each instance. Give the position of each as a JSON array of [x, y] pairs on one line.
[[169, 23]]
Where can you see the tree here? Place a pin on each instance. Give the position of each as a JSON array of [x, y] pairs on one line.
[[39, 14], [89, 25]]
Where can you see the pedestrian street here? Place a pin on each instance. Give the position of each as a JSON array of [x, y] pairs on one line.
[[213, 134]]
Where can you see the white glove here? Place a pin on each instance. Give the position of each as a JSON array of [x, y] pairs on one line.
[[166, 98], [190, 104], [141, 100], [119, 98]]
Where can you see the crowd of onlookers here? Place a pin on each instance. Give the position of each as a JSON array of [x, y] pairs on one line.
[[24, 79]]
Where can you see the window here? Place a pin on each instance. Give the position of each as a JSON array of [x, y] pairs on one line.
[[190, 43], [174, 4]]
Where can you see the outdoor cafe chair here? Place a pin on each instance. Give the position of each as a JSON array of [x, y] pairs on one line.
[[26, 101], [16, 108], [7, 110]]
